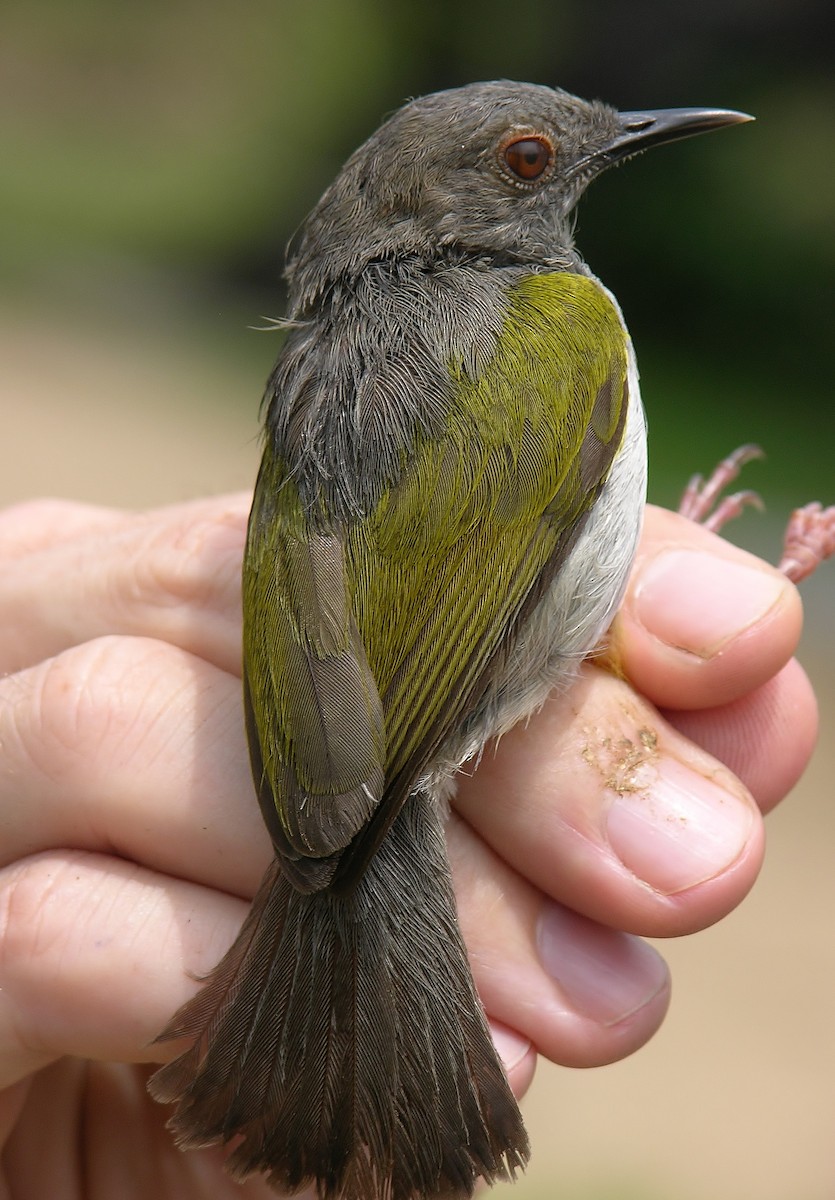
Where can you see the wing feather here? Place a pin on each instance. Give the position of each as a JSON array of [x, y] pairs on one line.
[[375, 641], [316, 714]]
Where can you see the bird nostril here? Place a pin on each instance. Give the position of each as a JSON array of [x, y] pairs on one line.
[[639, 123]]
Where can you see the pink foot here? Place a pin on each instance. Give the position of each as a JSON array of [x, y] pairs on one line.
[[700, 495], [809, 540], [810, 534]]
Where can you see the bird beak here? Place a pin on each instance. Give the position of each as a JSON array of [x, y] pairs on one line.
[[640, 130]]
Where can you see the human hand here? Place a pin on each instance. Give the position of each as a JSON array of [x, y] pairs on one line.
[[132, 840]]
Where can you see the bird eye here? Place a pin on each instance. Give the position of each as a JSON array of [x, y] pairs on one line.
[[527, 157]]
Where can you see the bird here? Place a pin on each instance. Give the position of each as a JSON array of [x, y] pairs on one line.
[[445, 515]]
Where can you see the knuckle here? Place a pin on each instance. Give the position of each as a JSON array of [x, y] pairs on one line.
[[34, 936], [194, 562], [80, 708], [26, 928]]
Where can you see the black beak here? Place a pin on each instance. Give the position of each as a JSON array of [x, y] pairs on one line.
[[640, 130]]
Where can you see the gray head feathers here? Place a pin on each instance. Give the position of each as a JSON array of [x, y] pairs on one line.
[[432, 182]]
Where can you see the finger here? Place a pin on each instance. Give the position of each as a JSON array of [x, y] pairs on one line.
[[125, 1151], [12, 1101], [173, 574], [92, 957], [131, 746], [582, 994], [97, 954], [607, 808], [702, 622], [35, 525], [188, 812], [765, 738], [517, 1053]]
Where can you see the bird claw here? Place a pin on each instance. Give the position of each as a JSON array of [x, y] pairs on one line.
[[810, 534], [809, 540], [701, 499]]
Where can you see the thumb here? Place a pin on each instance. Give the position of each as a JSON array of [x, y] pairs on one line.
[[702, 623]]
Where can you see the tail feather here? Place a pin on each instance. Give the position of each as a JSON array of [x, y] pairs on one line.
[[342, 1037]]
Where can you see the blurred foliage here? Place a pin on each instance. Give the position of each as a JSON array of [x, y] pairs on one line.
[[157, 157]]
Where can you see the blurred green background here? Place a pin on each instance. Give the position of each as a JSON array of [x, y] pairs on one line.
[[156, 157]]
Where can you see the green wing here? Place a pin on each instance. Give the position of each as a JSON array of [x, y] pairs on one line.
[[375, 645], [314, 718]]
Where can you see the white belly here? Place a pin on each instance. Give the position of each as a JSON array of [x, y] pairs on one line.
[[577, 609]]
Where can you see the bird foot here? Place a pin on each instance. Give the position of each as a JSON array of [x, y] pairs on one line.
[[701, 500], [808, 541], [810, 534]]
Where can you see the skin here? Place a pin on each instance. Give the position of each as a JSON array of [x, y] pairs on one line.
[[132, 841]]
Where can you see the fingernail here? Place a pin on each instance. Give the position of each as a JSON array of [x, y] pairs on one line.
[[605, 975], [698, 602], [511, 1046], [679, 830]]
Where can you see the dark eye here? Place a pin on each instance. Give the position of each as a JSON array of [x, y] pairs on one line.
[[527, 157]]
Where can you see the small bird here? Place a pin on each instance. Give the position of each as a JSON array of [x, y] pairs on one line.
[[448, 505]]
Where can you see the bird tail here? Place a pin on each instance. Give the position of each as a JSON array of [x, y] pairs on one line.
[[342, 1039]]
